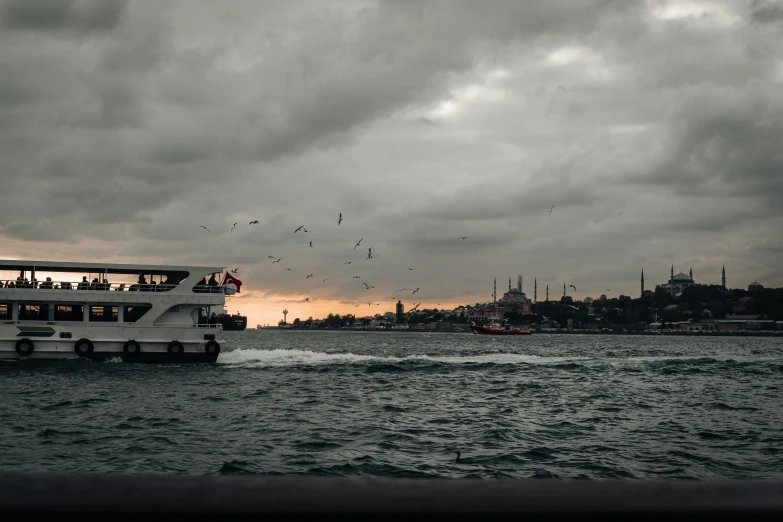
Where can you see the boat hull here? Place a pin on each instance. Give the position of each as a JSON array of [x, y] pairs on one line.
[[58, 341], [484, 330]]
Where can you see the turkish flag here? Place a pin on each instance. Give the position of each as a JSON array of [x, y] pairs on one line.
[[231, 280]]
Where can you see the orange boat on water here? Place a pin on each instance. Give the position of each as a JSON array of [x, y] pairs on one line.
[[497, 329]]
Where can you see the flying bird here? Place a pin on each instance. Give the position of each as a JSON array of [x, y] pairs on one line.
[[410, 269], [205, 228], [308, 277], [288, 269], [366, 285], [277, 260], [356, 277], [325, 280], [340, 219], [550, 210], [415, 291], [304, 230], [369, 255], [572, 286], [311, 244], [235, 226], [298, 229], [357, 244], [254, 222], [234, 271], [307, 299], [271, 257], [347, 263], [463, 237]]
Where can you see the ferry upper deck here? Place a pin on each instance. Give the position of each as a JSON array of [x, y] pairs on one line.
[[64, 276]]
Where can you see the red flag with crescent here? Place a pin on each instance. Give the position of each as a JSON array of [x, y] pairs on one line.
[[231, 280]]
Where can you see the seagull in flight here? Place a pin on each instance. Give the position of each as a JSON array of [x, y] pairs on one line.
[[340, 219], [356, 277], [271, 257], [410, 269], [277, 260], [234, 271], [463, 237], [357, 244], [306, 299], [325, 280], [311, 244], [347, 263], [366, 285], [550, 210], [205, 228], [254, 222], [572, 286], [298, 229], [235, 226], [288, 269], [308, 277], [415, 291]]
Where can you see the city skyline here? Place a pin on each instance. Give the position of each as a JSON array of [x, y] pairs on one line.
[[571, 142]]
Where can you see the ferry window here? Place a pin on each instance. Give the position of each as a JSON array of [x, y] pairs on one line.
[[5, 311], [136, 312], [104, 313], [33, 312], [69, 313]]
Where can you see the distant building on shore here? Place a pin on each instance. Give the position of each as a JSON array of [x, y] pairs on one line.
[[679, 282], [400, 312]]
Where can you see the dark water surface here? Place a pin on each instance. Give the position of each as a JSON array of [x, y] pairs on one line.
[[401, 404]]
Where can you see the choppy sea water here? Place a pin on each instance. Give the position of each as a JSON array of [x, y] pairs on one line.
[[401, 404]]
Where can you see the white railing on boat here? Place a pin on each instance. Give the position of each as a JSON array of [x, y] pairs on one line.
[[12, 284]]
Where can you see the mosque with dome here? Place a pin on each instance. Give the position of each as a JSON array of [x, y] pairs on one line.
[[515, 297], [679, 282]]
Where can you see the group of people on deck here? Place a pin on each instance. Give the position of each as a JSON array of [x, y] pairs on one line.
[[142, 285], [204, 287]]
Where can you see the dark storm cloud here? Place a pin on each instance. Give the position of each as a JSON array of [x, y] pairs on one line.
[[76, 16], [766, 11], [653, 133]]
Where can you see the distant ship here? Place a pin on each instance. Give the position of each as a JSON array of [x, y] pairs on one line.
[[230, 321], [497, 329]]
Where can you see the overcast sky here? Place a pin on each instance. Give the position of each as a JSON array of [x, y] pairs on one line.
[[655, 128]]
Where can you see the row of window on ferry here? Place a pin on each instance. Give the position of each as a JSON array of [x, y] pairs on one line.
[[73, 312], [22, 282]]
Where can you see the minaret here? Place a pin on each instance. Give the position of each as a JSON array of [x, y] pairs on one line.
[[519, 283], [563, 289], [547, 292], [535, 290], [642, 282], [690, 273], [509, 284], [723, 278], [495, 291], [671, 282]]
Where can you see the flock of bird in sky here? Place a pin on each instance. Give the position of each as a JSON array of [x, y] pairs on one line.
[[370, 255]]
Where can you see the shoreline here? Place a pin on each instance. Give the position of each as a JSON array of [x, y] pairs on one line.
[[652, 333]]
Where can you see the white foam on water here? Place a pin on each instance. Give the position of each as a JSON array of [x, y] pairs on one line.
[[280, 357]]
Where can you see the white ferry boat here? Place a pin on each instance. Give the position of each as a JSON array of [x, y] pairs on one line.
[[159, 314]]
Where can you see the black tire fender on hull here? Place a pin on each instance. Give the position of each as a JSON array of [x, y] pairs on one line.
[[176, 349], [25, 347], [84, 347], [131, 348], [212, 348]]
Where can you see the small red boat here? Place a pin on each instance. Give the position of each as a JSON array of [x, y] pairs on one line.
[[496, 329]]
